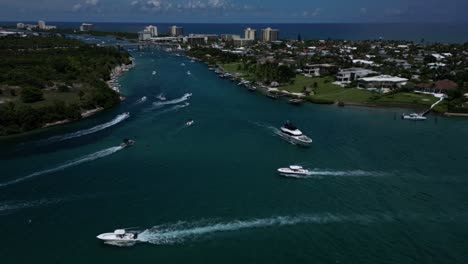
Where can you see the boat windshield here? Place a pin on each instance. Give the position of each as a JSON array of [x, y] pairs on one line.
[[289, 126]]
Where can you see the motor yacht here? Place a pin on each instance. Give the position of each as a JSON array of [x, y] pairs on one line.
[[190, 122], [294, 135], [119, 236], [413, 117], [294, 171]]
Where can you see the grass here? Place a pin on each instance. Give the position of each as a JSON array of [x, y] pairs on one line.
[[49, 98], [234, 68]]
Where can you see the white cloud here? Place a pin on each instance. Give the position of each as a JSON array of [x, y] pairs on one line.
[[87, 5], [314, 13]]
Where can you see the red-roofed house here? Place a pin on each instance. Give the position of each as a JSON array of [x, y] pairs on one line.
[[443, 86]]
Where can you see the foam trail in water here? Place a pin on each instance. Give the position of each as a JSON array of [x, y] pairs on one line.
[[171, 109], [18, 205], [141, 100], [179, 232], [174, 101], [95, 129], [91, 157], [350, 173]]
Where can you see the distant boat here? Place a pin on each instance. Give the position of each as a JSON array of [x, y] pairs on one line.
[[153, 73], [119, 236], [294, 171], [182, 64], [413, 117], [189, 73], [161, 97], [252, 88], [127, 143], [272, 96], [190, 122], [296, 101]]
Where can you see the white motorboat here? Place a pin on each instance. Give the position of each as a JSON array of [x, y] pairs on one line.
[[182, 64], [294, 171], [190, 122], [294, 135], [189, 73], [153, 73], [119, 236], [413, 117]]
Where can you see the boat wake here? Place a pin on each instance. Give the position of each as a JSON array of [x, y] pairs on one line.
[[113, 122], [182, 231], [66, 165], [174, 101], [141, 100], [350, 173]]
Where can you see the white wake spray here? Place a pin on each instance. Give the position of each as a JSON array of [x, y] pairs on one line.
[[66, 165], [179, 232], [184, 98], [88, 131]]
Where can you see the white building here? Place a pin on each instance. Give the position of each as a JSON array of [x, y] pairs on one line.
[[152, 30], [249, 34], [382, 83], [269, 34], [176, 31], [86, 27], [20, 26], [144, 35], [41, 24], [352, 74]]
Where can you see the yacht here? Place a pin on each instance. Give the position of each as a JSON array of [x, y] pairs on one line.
[[189, 73], [293, 171], [154, 73], [294, 135], [127, 143], [119, 236], [413, 116]]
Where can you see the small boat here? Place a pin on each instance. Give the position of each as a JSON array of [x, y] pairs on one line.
[[252, 88], [413, 117], [119, 236], [291, 133], [127, 143], [153, 73], [294, 171], [182, 64], [189, 73], [190, 122], [192, 61], [296, 101]]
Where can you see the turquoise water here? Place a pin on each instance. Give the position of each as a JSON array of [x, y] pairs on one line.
[[382, 191]]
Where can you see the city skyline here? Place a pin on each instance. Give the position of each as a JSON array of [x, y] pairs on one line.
[[235, 11]]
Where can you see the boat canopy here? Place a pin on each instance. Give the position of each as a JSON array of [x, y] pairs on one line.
[[119, 232], [290, 126], [295, 167]]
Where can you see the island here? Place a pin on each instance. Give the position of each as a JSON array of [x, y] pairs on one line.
[[47, 80]]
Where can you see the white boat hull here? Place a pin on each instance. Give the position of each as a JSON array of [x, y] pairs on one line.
[[297, 140], [113, 238]]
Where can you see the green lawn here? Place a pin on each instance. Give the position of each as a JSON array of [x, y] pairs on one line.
[[326, 90], [234, 68], [49, 98]]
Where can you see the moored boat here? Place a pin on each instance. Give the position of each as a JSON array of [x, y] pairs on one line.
[[413, 117], [296, 101]]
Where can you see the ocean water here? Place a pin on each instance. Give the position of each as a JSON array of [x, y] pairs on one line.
[[429, 32], [382, 190]]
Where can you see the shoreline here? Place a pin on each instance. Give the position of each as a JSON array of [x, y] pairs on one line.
[[113, 84]]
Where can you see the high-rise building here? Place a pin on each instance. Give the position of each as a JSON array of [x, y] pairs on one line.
[[41, 24], [269, 34], [86, 27], [152, 30], [176, 31], [249, 34]]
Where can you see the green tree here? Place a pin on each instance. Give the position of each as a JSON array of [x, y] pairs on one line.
[[31, 94]]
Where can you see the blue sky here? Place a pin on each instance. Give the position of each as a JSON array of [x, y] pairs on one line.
[[236, 11]]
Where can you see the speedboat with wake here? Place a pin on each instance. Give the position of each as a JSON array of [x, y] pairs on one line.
[[190, 122], [294, 171], [161, 97], [127, 143], [119, 236], [413, 117], [294, 135]]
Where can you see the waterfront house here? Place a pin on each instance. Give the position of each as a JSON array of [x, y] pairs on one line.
[[382, 83], [320, 69], [443, 86], [352, 74]]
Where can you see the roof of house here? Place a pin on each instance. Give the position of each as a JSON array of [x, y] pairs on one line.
[[384, 78], [446, 85]]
